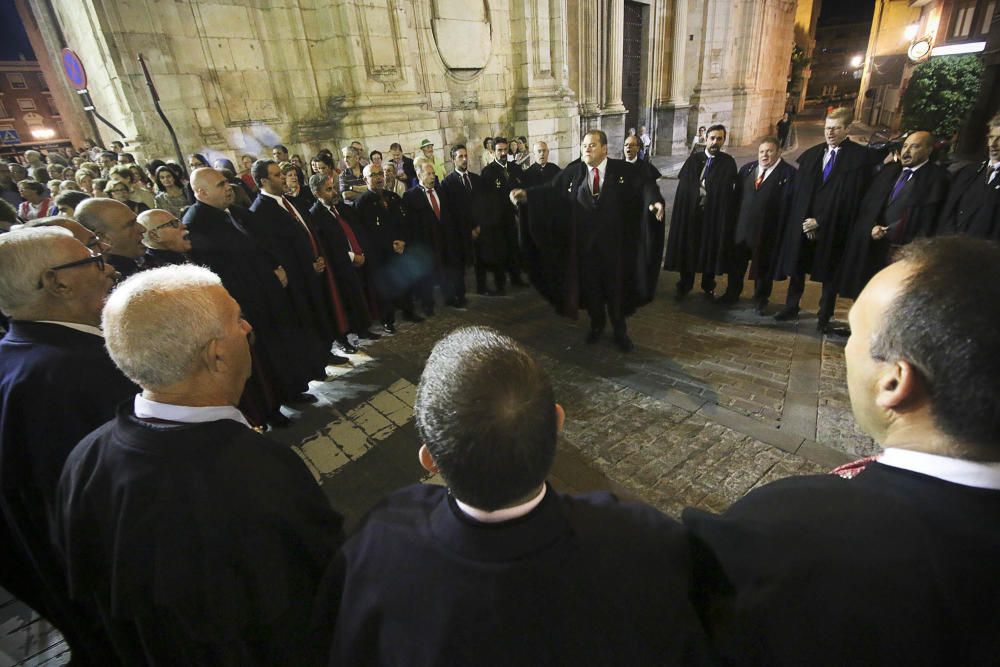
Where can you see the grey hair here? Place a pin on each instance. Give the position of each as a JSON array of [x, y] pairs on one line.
[[25, 254], [367, 171], [157, 322], [419, 163]]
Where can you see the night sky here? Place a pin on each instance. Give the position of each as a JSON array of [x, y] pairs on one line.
[[846, 11], [13, 40]]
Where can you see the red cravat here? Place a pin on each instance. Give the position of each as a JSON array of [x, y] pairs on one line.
[[760, 179], [352, 240], [596, 189], [434, 204], [295, 214]]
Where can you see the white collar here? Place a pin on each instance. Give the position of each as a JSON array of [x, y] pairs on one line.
[[768, 170], [709, 155], [86, 328], [914, 169], [632, 161], [501, 515], [278, 198], [147, 409], [600, 168], [957, 471]]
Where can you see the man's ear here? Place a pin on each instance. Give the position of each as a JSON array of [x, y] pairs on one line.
[[53, 285], [211, 356], [560, 418], [898, 386], [426, 460]]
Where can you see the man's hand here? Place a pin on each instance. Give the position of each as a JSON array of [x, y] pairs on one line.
[[319, 265], [476, 232], [518, 195], [359, 259], [657, 209], [282, 277], [810, 225], [398, 247], [879, 232]]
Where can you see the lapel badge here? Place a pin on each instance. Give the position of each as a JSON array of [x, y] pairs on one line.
[[621, 180], [499, 184]]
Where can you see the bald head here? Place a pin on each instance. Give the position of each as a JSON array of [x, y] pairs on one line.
[[210, 187], [163, 231], [916, 149], [85, 236], [541, 151], [115, 223]]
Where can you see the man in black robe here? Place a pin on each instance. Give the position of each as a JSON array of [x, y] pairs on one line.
[[763, 190], [435, 224], [200, 541], [57, 383], [704, 210], [902, 204], [895, 565], [631, 152], [280, 225], [498, 247], [831, 182], [498, 568], [595, 238], [385, 236], [166, 238], [973, 205], [286, 355], [541, 171], [343, 250], [116, 224], [463, 190]]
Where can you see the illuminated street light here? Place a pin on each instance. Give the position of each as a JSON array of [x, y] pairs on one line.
[[42, 133], [856, 61], [910, 31]]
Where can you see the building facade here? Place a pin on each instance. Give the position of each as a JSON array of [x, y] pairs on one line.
[[29, 117], [237, 76], [837, 61]]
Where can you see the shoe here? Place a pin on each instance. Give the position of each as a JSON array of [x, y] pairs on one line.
[[624, 343], [412, 317], [593, 336], [368, 335], [337, 360], [346, 346], [709, 295], [822, 324], [787, 313], [680, 293], [728, 299], [301, 399], [760, 307], [389, 328], [839, 330], [277, 420]]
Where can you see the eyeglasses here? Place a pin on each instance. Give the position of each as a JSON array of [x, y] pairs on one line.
[[95, 258], [174, 224], [95, 242]]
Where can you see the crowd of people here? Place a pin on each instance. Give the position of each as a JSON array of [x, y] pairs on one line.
[[153, 522]]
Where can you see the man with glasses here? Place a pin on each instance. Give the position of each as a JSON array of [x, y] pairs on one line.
[[114, 222], [56, 385], [166, 238]]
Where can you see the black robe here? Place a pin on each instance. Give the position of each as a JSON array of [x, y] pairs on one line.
[[536, 174], [286, 354], [759, 214], [834, 204], [382, 220], [56, 385], [126, 266], [915, 212], [156, 258], [443, 239], [973, 205], [335, 248], [498, 244], [582, 580], [696, 241], [467, 207], [201, 544], [614, 237]]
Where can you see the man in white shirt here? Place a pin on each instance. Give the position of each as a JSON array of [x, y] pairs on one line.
[[896, 565]]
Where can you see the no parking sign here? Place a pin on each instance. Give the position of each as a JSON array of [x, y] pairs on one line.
[[74, 70]]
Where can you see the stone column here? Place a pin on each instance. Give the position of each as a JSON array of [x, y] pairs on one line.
[[613, 110], [672, 114]]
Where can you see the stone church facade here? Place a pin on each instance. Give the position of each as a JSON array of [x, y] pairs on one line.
[[237, 76]]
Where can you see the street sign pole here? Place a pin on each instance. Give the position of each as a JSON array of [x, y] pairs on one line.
[[77, 76]]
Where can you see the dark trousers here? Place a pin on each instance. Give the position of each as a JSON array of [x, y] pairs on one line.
[[598, 290], [686, 282], [453, 285], [499, 277], [827, 300], [741, 260]]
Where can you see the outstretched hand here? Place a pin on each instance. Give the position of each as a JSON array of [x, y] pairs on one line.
[[518, 195], [657, 209]]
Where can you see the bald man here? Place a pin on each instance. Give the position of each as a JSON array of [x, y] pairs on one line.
[[902, 204], [542, 171], [85, 236], [115, 223], [166, 239]]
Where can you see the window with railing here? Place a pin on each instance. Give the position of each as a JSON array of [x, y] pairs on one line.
[[16, 81]]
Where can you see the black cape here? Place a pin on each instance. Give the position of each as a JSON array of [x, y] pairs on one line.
[[335, 248], [759, 214], [864, 256], [696, 241], [382, 219], [498, 243], [443, 239], [536, 174], [202, 544], [615, 236], [466, 207], [973, 206]]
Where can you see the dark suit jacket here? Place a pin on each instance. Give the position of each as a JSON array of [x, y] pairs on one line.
[[973, 206], [889, 568], [760, 214], [536, 174], [578, 581], [442, 237], [466, 206]]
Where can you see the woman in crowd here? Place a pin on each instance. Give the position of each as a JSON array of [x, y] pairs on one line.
[[246, 162], [294, 178], [36, 204], [136, 192], [392, 183], [120, 191], [170, 195], [197, 161], [523, 156], [699, 141], [487, 151], [97, 188]]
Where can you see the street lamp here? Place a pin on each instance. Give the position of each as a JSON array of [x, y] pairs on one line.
[[856, 61], [910, 31]]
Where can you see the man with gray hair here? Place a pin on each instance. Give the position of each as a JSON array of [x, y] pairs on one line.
[[166, 238], [200, 540], [56, 385], [114, 222]]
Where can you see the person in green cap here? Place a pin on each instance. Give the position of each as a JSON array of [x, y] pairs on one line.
[[427, 148]]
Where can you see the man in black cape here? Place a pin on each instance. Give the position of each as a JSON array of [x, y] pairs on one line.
[[464, 191], [763, 190], [596, 241], [286, 355], [704, 211], [902, 204], [973, 205], [498, 247], [200, 541], [541, 170], [831, 182]]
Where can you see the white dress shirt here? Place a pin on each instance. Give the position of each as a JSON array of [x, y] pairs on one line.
[[829, 154], [186, 414], [86, 328], [992, 166], [505, 514], [767, 172], [976, 474], [601, 168]]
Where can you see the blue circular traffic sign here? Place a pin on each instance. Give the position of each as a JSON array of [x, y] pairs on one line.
[[74, 70]]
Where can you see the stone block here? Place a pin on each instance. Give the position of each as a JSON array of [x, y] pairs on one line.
[[224, 20]]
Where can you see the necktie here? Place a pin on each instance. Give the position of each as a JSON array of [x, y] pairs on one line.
[[708, 165], [292, 212], [352, 240], [993, 172], [595, 189], [760, 179], [465, 179], [434, 204], [900, 182], [829, 164]]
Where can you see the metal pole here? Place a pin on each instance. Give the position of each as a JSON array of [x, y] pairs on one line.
[[163, 116]]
